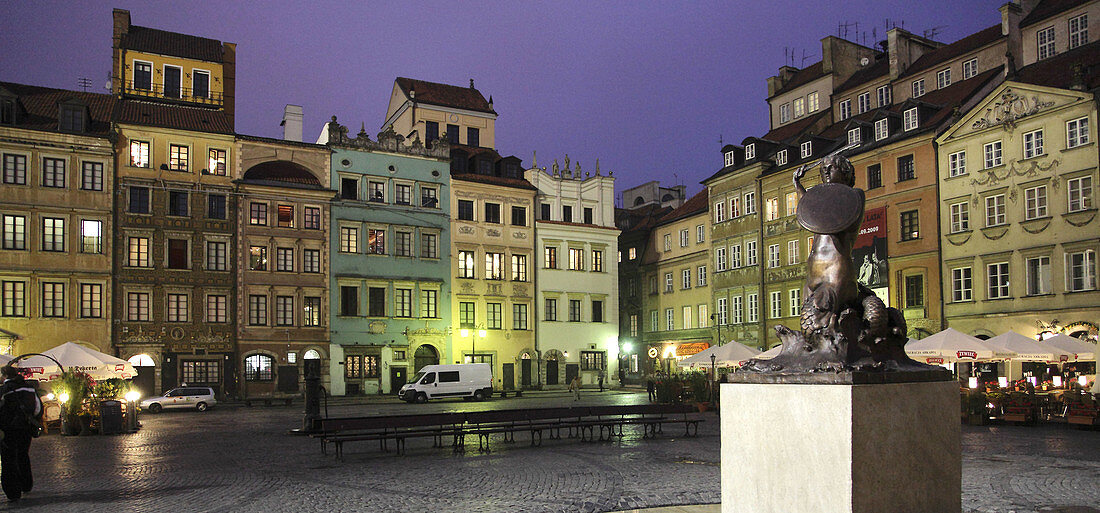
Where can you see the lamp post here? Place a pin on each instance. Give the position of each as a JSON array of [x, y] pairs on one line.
[[714, 318], [712, 376], [478, 333]]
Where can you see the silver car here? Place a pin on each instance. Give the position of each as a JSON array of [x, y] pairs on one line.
[[199, 398]]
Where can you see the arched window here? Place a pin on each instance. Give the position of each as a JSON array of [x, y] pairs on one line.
[[638, 201], [141, 360], [259, 367], [312, 354]]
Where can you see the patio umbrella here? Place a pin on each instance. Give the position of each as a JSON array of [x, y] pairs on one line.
[[75, 356], [1079, 350], [1026, 348], [949, 346], [727, 355], [770, 353]]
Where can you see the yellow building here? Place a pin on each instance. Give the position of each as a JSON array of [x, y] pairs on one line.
[[428, 111], [55, 205]]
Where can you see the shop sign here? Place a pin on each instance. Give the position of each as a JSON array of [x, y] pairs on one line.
[[934, 360], [967, 354], [652, 352], [688, 349]]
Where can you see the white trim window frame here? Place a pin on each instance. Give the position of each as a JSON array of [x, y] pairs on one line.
[[970, 68], [1045, 43], [962, 284], [1033, 144], [1078, 30], [883, 94], [960, 217], [813, 102], [784, 113], [917, 88], [997, 280], [750, 151], [845, 109], [781, 158], [1077, 132], [995, 210], [943, 78], [1035, 202], [806, 149], [992, 153], [1081, 270], [1079, 193], [882, 129], [853, 136], [911, 119], [863, 102], [957, 163]]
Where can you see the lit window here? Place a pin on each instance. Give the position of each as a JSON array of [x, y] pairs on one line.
[[139, 153], [91, 300], [178, 157], [217, 162], [910, 225], [91, 236], [771, 209], [813, 102], [799, 107], [376, 242], [216, 308], [791, 201], [349, 239], [465, 264]]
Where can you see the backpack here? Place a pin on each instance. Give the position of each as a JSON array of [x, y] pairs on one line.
[[17, 418]]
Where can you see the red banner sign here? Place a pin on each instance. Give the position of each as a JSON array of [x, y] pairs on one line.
[[934, 360], [967, 354]]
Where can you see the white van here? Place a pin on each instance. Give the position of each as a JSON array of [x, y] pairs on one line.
[[467, 380]]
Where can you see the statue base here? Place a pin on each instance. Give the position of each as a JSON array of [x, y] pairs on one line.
[[789, 445]]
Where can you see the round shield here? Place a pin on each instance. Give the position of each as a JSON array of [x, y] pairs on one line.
[[829, 208]]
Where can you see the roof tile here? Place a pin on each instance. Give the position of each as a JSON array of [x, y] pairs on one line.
[[446, 95], [945, 53], [42, 109], [163, 42], [179, 117]]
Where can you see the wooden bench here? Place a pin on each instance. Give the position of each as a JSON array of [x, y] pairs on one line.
[[391, 427]]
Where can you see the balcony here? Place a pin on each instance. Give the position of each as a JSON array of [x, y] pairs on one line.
[[182, 94]]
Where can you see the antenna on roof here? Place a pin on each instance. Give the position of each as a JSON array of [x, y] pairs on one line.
[[84, 83], [931, 33], [720, 142]]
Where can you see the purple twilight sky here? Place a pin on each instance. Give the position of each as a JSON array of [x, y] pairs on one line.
[[646, 87]]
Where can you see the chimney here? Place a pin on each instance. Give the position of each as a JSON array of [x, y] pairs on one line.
[[292, 123], [121, 19], [229, 79]]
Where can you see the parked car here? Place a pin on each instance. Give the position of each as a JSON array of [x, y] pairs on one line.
[[199, 398], [466, 380]]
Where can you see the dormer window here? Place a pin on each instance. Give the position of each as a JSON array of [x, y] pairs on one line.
[[71, 118], [806, 149], [943, 78], [750, 151], [883, 96], [853, 136], [200, 83], [7, 111], [784, 113], [918, 88], [729, 158], [781, 158], [911, 120], [882, 129]]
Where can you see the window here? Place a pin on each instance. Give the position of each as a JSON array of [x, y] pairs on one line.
[[473, 137], [15, 232], [53, 299], [376, 242], [465, 264], [750, 252], [551, 309], [91, 176], [177, 308], [634, 325], [311, 260], [960, 217], [995, 210], [883, 93], [216, 308], [597, 261], [178, 157], [752, 307], [1077, 133], [201, 371], [172, 81], [735, 208], [853, 136], [720, 259], [217, 159], [1033, 144], [139, 200], [544, 211], [494, 266], [285, 216], [519, 316], [492, 213], [910, 225], [91, 300], [910, 119], [349, 301], [735, 256], [700, 234], [906, 168], [402, 194], [750, 151], [257, 258], [685, 279], [719, 212], [992, 153], [215, 206], [376, 192], [284, 259], [139, 154], [53, 234], [494, 317], [402, 302], [593, 360], [943, 78], [376, 301], [668, 282], [701, 273], [429, 304], [519, 216], [845, 109], [53, 173], [466, 210], [14, 170], [720, 312], [729, 156], [550, 257], [914, 291], [794, 304], [771, 209], [970, 68], [882, 129], [773, 255], [178, 254], [349, 188], [806, 149], [684, 238], [750, 203], [957, 163], [781, 158], [799, 107], [874, 176], [431, 131], [138, 252], [918, 88], [137, 306], [961, 284], [784, 113], [177, 203], [632, 253], [91, 236], [1080, 193], [567, 213], [403, 244], [349, 239], [259, 367], [863, 103], [429, 245], [1038, 275], [776, 304], [997, 278], [466, 317], [687, 317], [71, 118], [736, 310], [1078, 30], [1081, 271], [1045, 39], [670, 320], [792, 252], [791, 201], [813, 102], [143, 75], [1035, 201]]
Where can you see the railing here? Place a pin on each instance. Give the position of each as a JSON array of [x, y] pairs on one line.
[[184, 94]]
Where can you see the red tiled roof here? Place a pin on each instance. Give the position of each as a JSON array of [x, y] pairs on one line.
[[1057, 71], [163, 42], [694, 205], [445, 95], [792, 130], [945, 53], [517, 183], [41, 104], [801, 77], [880, 68], [1049, 8], [173, 116]]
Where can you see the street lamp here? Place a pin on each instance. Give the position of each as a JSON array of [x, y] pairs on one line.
[[714, 319], [480, 333], [712, 376]]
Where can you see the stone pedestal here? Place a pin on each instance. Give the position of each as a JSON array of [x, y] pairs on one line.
[[841, 448]]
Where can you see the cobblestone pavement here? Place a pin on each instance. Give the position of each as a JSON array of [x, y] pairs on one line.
[[233, 459]]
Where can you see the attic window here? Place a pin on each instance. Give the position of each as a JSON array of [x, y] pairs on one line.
[[750, 151], [918, 88], [911, 120], [71, 118], [7, 111], [882, 129], [729, 158], [853, 136], [806, 149], [781, 158]]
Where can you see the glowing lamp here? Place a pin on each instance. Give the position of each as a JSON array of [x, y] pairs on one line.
[[63, 398], [628, 347], [1057, 381], [133, 396], [1002, 382], [50, 396], [481, 333], [973, 382], [1081, 380], [464, 333]]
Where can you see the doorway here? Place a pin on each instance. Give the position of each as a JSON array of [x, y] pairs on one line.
[[525, 373], [572, 370], [397, 378], [508, 369], [551, 372], [425, 355], [145, 379]]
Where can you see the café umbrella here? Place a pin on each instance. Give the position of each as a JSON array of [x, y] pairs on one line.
[[950, 346], [74, 356], [726, 355], [1026, 348], [1079, 350]]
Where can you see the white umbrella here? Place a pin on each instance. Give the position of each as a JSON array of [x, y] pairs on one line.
[[1026, 348], [770, 353], [74, 356], [950, 346], [1078, 349], [730, 354]]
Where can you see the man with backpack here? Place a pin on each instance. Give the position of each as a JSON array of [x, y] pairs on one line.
[[20, 421]]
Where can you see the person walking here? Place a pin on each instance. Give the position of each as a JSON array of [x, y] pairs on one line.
[[575, 387], [651, 387], [601, 382], [20, 420]]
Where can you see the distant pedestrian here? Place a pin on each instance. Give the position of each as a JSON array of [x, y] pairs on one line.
[[575, 387], [601, 382], [651, 387], [20, 420]]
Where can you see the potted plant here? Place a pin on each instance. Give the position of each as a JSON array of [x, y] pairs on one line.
[[73, 387]]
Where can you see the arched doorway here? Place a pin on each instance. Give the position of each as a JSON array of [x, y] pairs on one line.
[[425, 355], [312, 354], [145, 380], [552, 367]]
